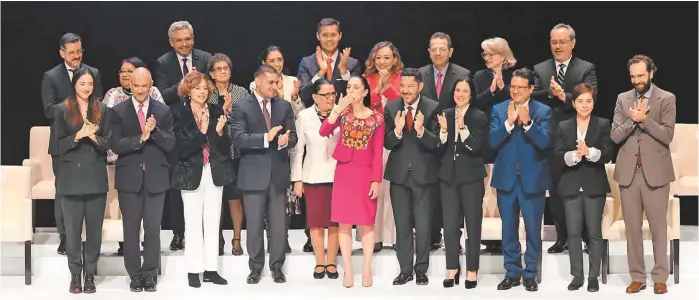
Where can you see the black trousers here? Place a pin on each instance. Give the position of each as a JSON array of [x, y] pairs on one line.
[[89, 208], [176, 211], [584, 212], [459, 201], [148, 208], [412, 208], [57, 205]]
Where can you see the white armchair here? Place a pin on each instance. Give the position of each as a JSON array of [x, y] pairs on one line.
[[16, 212], [685, 162]]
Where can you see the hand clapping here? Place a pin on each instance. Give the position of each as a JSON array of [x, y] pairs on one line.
[[220, 124], [283, 139], [442, 119], [419, 123]]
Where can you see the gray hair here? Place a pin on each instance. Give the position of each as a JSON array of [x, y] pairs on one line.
[[571, 31], [178, 26]]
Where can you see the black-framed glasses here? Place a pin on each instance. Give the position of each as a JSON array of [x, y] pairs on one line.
[[128, 72], [328, 95], [519, 88]]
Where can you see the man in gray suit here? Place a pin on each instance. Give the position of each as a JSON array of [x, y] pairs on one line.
[[263, 128], [439, 78], [555, 80], [412, 170], [55, 88], [644, 125]]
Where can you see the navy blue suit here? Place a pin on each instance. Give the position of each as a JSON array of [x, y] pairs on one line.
[[521, 177]]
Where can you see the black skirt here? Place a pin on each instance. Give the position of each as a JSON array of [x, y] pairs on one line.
[[231, 190]]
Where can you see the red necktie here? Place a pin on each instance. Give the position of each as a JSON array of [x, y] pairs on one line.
[[329, 70], [439, 83], [409, 118]]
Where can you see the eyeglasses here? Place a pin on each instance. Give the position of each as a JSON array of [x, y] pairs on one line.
[[222, 69], [74, 53], [328, 95], [561, 42], [488, 54], [519, 88], [122, 72]]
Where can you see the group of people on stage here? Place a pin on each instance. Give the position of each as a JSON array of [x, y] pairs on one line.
[[398, 152]]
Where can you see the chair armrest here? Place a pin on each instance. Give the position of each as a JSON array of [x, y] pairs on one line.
[[35, 169], [607, 216], [673, 213]]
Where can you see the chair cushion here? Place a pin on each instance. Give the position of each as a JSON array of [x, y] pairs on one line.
[[687, 186], [44, 189]]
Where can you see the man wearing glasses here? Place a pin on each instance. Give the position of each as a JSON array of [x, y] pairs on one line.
[[555, 80], [55, 88]]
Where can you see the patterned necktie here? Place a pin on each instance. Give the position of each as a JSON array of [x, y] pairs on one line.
[[561, 74], [141, 117], [185, 69], [265, 113], [639, 162], [409, 118], [439, 84], [329, 69]]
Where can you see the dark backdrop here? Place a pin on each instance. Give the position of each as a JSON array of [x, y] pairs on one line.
[[608, 34]]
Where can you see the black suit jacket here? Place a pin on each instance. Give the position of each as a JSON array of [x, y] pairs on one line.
[[83, 164], [309, 68], [483, 99], [591, 176], [56, 87], [168, 72], [138, 159], [421, 153], [462, 162], [578, 71], [260, 166], [446, 96], [190, 158]]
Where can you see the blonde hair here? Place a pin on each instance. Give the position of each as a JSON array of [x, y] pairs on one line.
[[500, 46]]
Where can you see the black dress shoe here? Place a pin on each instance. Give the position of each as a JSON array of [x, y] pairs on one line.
[[421, 278], [331, 275], [278, 275], [61, 245], [448, 283], [136, 284], [576, 283], [89, 285], [177, 242], [558, 247], [214, 277], [193, 280], [308, 247], [120, 251], [378, 247], [254, 276], [221, 243], [508, 283], [321, 274], [531, 285], [149, 284], [403, 278], [592, 284], [75, 284]]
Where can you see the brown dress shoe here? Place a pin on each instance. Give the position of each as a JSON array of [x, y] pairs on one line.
[[660, 288], [635, 287]]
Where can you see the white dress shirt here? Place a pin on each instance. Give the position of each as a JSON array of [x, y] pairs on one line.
[[145, 105], [462, 133], [189, 61], [334, 57], [269, 110], [70, 74], [571, 159]]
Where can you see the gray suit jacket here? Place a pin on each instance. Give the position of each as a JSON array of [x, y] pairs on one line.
[[653, 137], [446, 96], [578, 71]]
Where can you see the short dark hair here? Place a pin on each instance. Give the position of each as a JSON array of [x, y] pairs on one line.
[[329, 22], [412, 72], [650, 65], [471, 88], [68, 38], [526, 74], [135, 61], [441, 35], [583, 88], [264, 69]]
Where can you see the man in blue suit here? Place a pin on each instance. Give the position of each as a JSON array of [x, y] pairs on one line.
[[520, 131]]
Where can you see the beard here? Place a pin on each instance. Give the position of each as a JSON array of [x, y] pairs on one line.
[[643, 88]]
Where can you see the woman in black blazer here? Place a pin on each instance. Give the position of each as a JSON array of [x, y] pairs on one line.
[[202, 169], [584, 145], [461, 173], [80, 123]]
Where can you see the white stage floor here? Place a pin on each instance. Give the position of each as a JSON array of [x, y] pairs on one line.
[[51, 275]]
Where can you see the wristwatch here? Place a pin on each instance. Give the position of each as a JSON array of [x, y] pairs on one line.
[[529, 123]]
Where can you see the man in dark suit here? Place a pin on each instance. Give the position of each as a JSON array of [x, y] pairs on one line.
[[262, 127], [555, 80], [327, 62], [55, 88], [142, 136], [412, 170], [439, 77], [171, 67], [520, 132]]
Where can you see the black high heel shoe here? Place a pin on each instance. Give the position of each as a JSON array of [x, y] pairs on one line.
[[470, 284], [448, 283]]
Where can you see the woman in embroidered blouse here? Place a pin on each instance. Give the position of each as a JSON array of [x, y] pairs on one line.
[[225, 95], [358, 173], [383, 69]]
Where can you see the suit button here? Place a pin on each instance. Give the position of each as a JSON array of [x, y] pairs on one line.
[[78, 165], [140, 165]]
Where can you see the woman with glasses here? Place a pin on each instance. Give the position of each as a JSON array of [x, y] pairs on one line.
[[224, 96], [314, 176]]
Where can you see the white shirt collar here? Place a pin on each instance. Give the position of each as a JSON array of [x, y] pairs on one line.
[[414, 105], [259, 98], [566, 63], [333, 57], [463, 113], [136, 104], [180, 57]]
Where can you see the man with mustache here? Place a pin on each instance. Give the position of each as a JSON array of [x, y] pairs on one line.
[[170, 68], [643, 126], [412, 170], [555, 80], [55, 88]]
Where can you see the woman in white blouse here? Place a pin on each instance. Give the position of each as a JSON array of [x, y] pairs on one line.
[[289, 85], [314, 176]]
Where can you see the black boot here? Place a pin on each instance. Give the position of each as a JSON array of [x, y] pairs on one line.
[[75, 284], [213, 277]]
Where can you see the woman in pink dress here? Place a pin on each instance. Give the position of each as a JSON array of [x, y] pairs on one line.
[[358, 173]]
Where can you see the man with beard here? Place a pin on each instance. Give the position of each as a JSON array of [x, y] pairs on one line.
[[555, 80], [55, 88], [412, 170], [170, 68], [643, 126]]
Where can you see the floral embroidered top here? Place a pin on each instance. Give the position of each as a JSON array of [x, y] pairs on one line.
[[356, 132]]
